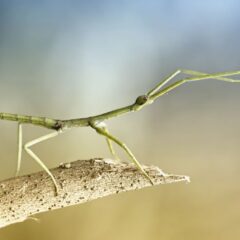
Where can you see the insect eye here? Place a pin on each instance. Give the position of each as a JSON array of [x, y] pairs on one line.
[[141, 99]]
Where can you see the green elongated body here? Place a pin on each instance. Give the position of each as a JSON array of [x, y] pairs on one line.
[[57, 124], [140, 102], [41, 121], [97, 121]]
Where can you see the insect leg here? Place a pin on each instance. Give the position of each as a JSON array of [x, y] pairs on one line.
[[199, 77], [37, 159], [105, 133], [197, 73], [164, 82], [19, 158], [188, 72], [109, 141]]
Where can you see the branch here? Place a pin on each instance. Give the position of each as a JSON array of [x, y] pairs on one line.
[[80, 181]]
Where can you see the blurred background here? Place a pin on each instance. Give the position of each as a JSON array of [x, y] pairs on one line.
[[68, 59]]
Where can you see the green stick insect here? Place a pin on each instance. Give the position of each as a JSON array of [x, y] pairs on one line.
[[97, 122]]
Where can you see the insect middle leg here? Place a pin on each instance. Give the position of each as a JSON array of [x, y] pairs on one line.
[[109, 142], [102, 131]]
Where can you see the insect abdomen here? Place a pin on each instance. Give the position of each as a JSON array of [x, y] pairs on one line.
[[42, 121]]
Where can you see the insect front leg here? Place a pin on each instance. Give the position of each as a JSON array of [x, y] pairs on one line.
[[187, 72]]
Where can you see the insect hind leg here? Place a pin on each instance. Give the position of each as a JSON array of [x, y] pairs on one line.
[[19, 157], [37, 159]]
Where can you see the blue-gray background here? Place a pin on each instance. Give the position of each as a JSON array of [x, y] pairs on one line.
[[66, 59]]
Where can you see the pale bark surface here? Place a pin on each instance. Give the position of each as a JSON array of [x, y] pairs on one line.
[[80, 181]]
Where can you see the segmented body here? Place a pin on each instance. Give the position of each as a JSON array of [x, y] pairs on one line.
[[96, 122], [41, 121], [54, 124]]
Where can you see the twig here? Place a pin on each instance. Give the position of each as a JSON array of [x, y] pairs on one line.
[[81, 181]]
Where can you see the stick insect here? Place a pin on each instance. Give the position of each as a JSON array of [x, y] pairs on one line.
[[97, 122]]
